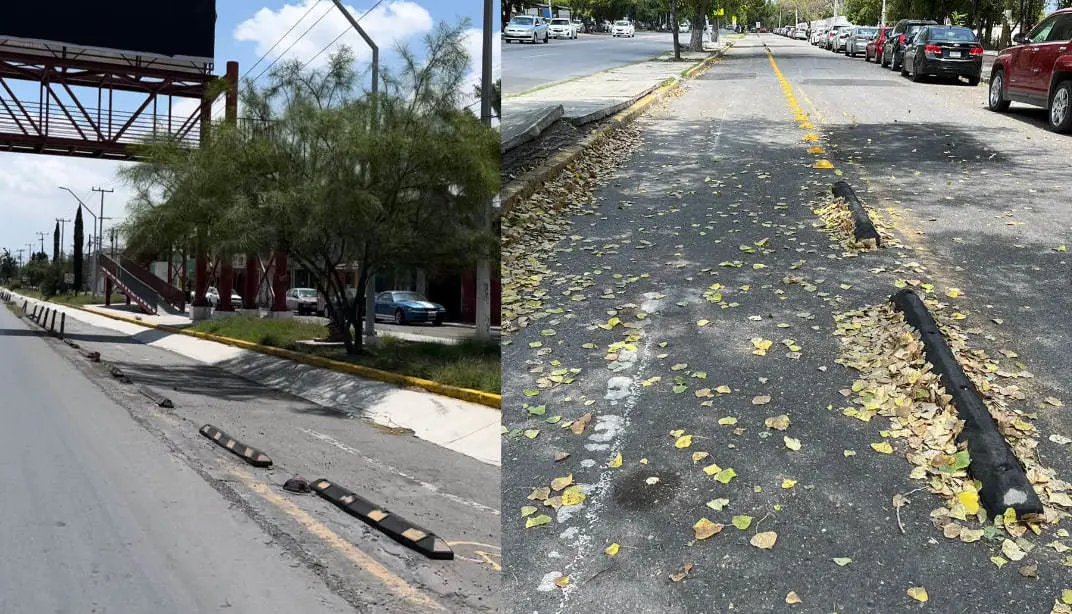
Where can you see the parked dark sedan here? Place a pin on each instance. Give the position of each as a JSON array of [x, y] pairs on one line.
[[903, 32], [945, 51]]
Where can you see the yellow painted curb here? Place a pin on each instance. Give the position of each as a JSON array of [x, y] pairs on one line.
[[465, 394], [527, 185]]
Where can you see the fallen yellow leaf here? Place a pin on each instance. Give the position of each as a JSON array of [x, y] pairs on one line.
[[612, 549], [704, 528], [792, 598], [562, 581], [918, 593], [779, 423], [787, 483], [764, 540], [970, 500], [682, 573], [683, 442], [699, 456], [535, 521], [616, 461], [573, 496], [558, 484], [791, 443], [883, 447]]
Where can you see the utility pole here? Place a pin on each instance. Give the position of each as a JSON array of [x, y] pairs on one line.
[[41, 236], [483, 265], [100, 230], [19, 252], [63, 226], [370, 283]]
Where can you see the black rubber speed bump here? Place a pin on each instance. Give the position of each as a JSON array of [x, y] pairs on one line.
[[252, 456], [863, 229], [155, 398], [1005, 484], [395, 527]]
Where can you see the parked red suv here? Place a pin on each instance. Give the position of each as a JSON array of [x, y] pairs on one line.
[[874, 46], [1037, 70]]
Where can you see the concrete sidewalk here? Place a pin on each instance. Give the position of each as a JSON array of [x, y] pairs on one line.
[[451, 333], [593, 97], [460, 426]]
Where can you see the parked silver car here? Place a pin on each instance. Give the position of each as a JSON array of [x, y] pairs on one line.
[[530, 28], [302, 300], [858, 39]]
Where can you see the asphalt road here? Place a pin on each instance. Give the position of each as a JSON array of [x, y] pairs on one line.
[[98, 516], [444, 492], [526, 66], [722, 176]]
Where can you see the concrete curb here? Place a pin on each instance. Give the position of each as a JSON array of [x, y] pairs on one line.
[[1004, 482], [863, 229], [465, 394], [535, 128], [527, 185], [611, 110], [395, 527], [253, 456]]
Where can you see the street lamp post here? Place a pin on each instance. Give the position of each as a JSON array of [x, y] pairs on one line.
[[93, 267], [370, 284]]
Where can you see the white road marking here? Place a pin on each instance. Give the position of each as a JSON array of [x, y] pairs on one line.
[[375, 463]]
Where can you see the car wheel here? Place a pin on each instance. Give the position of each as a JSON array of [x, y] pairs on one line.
[[996, 100], [400, 317], [882, 59], [1061, 107], [438, 321], [917, 76]]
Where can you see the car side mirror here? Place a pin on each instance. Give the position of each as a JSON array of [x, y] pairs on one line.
[[1020, 38]]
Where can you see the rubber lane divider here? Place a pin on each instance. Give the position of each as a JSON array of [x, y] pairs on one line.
[[863, 229], [465, 394], [395, 527], [992, 461], [155, 398], [252, 456]]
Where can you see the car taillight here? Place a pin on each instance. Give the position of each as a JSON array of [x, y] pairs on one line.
[[901, 39], [977, 51], [932, 49]]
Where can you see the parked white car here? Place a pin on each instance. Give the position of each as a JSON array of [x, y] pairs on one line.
[[560, 27], [623, 28], [302, 300]]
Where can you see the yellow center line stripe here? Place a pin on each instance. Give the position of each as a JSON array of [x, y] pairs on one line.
[[799, 115], [394, 583]]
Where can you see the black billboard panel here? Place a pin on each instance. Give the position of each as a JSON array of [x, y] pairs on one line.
[[172, 28]]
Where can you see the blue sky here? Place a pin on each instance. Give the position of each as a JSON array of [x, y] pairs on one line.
[[245, 29]]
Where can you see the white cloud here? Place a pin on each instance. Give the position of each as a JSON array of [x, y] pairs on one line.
[[389, 24], [474, 46], [33, 200]]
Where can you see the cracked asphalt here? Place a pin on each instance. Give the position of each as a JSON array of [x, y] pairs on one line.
[[722, 182]]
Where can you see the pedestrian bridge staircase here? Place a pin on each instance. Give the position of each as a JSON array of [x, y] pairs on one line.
[[147, 291]]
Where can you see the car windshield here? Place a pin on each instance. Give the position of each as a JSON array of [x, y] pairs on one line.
[[621, 23], [521, 21], [952, 33], [408, 296], [560, 22], [304, 292], [912, 28], [865, 31]]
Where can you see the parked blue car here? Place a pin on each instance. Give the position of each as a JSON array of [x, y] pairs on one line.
[[402, 307]]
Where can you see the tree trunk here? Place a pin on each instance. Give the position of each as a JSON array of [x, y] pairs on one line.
[[674, 29], [699, 20]]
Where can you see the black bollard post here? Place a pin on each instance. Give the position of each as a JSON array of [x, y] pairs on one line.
[[63, 323]]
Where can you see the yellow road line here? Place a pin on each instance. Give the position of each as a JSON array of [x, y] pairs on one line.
[[800, 115], [366, 563]]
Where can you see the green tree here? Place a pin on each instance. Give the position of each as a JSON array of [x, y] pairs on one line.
[[79, 240], [56, 243], [331, 176], [9, 266]]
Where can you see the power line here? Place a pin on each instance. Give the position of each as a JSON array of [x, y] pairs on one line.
[[222, 100], [284, 52], [341, 34], [265, 54]]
